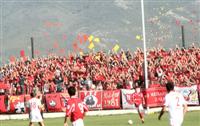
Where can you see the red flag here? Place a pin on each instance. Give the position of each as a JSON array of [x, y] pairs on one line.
[[75, 46], [55, 44], [64, 37], [191, 22], [85, 38], [22, 53], [178, 22], [62, 51], [36, 52], [12, 59], [47, 24], [80, 39]]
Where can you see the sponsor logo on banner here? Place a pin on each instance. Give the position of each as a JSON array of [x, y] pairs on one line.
[[19, 107], [93, 99], [17, 104], [127, 99], [52, 103], [190, 94]]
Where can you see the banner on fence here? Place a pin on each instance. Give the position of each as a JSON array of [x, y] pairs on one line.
[[93, 99], [53, 102], [127, 99], [17, 104], [155, 96], [2, 104], [190, 94], [4, 86], [111, 99]]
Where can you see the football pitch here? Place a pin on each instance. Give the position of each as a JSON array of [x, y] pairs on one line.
[[191, 119]]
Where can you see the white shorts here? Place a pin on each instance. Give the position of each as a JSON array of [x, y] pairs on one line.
[[36, 117], [78, 122], [176, 122], [140, 107]]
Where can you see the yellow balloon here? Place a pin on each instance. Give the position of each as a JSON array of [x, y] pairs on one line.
[[138, 37]]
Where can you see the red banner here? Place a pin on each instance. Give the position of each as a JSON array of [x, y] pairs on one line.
[[4, 86], [53, 102], [111, 99], [93, 99], [2, 104], [17, 104], [155, 96]]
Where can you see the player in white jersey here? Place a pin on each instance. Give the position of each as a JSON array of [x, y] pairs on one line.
[[176, 104], [35, 107]]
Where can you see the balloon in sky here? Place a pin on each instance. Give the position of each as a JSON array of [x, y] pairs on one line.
[[138, 37]]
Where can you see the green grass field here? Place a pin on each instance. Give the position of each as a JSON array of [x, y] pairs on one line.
[[191, 119]]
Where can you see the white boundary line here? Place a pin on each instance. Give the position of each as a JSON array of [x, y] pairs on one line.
[[90, 113]]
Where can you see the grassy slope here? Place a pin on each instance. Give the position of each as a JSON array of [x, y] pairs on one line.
[[191, 119]]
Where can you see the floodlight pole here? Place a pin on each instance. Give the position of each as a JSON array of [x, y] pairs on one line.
[[144, 46], [32, 48], [183, 36]]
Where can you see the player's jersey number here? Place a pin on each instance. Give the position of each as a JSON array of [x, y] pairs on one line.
[[33, 105], [177, 102], [80, 106]]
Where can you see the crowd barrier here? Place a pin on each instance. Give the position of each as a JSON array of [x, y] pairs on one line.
[[98, 100]]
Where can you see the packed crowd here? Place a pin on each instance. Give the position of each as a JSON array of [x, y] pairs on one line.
[[102, 71]]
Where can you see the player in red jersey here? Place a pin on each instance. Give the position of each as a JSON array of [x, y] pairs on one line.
[[138, 101], [75, 109]]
